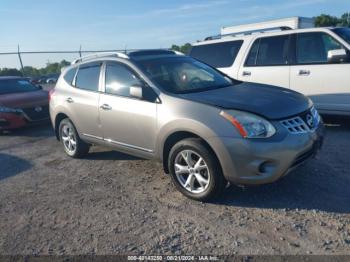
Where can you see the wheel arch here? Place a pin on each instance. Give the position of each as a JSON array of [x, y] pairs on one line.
[[59, 117], [175, 137]]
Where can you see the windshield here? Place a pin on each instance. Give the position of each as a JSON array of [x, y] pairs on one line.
[[182, 74], [343, 33], [8, 86]]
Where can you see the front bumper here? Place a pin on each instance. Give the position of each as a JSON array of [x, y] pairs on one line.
[[23, 117], [11, 121], [260, 161]]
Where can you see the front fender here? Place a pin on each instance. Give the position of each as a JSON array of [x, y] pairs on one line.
[[182, 125]]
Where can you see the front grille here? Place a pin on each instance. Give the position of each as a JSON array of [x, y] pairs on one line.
[[303, 123], [295, 125], [4, 123], [36, 113]]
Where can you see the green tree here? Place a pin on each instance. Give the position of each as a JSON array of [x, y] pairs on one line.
[[326, 20], [183, 49], [10, 72], [345, 19], [175, 48], [50, 68], [31, 71]]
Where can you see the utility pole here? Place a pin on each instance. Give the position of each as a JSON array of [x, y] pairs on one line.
[[20, 60]]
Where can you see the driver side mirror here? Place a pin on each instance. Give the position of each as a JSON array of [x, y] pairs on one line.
[[136, 91], [337, 56]]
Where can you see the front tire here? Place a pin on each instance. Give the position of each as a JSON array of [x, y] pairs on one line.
[[72, 144], [195, 170]]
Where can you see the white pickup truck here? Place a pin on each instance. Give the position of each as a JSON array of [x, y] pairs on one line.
[[287, 53]]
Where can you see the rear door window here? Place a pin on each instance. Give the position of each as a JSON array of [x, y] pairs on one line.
[[88, 77], [217, 55], [269, 51], [312, 48]]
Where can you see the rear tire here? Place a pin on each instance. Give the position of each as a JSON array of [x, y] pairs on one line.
[[69, 137], [195, 170]]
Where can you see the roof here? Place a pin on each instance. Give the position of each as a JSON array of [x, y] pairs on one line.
[[151, 52], [233, 37], [135, 54], [11, 77]]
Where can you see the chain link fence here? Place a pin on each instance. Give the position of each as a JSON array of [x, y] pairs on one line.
[[60, 55]]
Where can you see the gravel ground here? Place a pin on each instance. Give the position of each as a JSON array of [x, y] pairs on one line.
[[111, 203]]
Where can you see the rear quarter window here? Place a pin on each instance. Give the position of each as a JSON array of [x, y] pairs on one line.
[[69, 75], [217, 55]]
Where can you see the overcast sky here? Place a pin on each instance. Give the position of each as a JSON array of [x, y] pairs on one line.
[[109, 24]]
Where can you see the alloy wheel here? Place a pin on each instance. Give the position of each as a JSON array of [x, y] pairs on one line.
[[192, 171], [69, 138]]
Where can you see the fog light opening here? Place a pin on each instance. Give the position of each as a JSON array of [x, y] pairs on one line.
[[265, 167]]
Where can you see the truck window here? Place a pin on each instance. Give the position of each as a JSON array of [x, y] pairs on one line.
[[343, 33], [251, 59], [217, 55], [269, 51], [312, 48]]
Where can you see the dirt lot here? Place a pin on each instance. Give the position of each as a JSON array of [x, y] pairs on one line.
[[112, 203]]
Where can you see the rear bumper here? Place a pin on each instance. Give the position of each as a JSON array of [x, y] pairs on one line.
[[264, 161]]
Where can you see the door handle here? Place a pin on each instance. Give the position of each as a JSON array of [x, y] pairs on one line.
[[69, 100], [304, 72], [246, 73], [106, 107]]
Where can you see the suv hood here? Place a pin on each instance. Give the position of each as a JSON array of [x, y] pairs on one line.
[[268, 101], [25, 99]]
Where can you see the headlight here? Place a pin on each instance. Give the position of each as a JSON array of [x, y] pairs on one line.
[[249, 125], [4, 109]]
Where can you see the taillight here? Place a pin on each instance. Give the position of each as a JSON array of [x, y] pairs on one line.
[[51, 92]]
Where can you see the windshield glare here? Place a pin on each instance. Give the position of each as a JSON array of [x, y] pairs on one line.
[[16, 86], [343, 33], [182, 74]]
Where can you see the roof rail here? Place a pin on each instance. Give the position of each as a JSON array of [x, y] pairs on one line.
[[98, 55], [282, 28], [178, 53], [150, 52]]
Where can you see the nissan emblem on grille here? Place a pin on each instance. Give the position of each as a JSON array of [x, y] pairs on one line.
[[310, 120]]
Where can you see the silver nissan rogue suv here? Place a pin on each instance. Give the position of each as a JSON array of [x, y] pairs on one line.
[[206, 128]]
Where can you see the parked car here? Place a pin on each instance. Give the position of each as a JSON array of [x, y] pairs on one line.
[[21, 103], [35, 80], [52, 78], [312, 61], [42, 80], [204, 127]]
